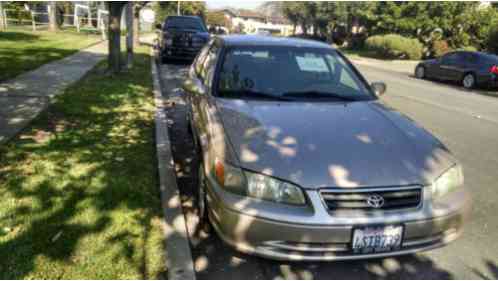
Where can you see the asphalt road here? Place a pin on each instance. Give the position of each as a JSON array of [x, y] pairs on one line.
[[466, 122]]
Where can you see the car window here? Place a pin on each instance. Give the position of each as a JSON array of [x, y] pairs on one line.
[[184, 23], [470, 58], [461, 58], [450, 58], [278, 71], [488, 59], [346, 77]]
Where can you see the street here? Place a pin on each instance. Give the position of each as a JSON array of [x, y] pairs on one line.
[[465, 121]]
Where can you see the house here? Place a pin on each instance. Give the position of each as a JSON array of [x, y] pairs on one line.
[[252, 22]]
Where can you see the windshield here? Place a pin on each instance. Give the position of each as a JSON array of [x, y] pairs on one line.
[[289, 73], [184, 23]]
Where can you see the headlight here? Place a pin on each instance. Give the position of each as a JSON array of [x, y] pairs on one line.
[[198, 40], [245, 183], [268, 188], [449, 181], [229, 177]]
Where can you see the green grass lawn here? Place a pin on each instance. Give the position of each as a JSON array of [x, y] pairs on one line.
[[22, 49], [79, 187]]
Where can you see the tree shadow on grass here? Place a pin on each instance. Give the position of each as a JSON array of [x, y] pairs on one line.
[[18, 36], [18, 61], [79, 189]]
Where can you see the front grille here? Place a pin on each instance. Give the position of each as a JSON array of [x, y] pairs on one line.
[[392, 199], [182, 40]]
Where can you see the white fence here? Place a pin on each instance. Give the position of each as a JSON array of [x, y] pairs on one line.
[[83, 18]]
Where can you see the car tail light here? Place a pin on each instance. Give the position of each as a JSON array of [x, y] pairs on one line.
[[494, 69]]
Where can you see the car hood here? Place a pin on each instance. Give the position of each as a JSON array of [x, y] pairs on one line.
[[322, 144]]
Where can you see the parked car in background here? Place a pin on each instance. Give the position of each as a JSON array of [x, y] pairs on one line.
[[182, 37], [471, 69], [263, 32], [301, 161]]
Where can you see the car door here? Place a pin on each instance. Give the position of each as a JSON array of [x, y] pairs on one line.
[[452, 66], [471, 63], [193, 86], [201, 87]]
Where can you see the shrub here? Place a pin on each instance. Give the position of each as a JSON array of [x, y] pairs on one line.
[[467, 48], [439, 48], [357, 41], [394, 46], [492, 40]]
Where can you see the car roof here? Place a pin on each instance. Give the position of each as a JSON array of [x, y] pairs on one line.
[[259, 40], [188, 17], [475, 52]]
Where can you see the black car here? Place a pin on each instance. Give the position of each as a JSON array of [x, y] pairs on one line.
[[471, 69], [182, 37]]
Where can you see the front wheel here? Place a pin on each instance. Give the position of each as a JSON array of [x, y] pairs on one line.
[[420, 72], [202, 203], [469, 81]]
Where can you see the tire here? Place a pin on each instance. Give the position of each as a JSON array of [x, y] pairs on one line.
[[420, 72], [189, 125], [164, 59], [201, 201], [469, 81]]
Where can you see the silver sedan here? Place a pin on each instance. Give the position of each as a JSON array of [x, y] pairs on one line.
[[302, 161]]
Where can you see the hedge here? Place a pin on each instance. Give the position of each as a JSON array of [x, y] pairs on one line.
[[393, 46], [492, 41]]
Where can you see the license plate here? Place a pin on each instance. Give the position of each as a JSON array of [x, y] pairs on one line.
[[377, 239]]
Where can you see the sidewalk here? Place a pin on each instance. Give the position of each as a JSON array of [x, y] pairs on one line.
[[401, 66], [24, 97]]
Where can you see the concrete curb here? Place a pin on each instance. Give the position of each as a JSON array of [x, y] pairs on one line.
[[179, 261]]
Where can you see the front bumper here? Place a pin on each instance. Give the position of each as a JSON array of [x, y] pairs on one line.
[[180, 52], [256, 232]]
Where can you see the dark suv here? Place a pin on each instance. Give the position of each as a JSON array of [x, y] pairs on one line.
[[182, 37]]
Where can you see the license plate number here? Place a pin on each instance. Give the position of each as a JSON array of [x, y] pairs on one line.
[[377, 239]]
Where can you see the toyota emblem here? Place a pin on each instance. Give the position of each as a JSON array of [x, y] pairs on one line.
[[375, 201]]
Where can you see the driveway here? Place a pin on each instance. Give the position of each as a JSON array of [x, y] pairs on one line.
[[466, 122]]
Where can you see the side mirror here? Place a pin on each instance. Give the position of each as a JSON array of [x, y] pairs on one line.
[[194, 86], [379, 88]]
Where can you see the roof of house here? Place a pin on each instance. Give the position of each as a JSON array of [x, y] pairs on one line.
[[244, 13]]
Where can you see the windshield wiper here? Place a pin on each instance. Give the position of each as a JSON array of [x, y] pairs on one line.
[[317, 94], [252, 94]]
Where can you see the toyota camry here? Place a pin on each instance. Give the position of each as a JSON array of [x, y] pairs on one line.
[[302, 160]]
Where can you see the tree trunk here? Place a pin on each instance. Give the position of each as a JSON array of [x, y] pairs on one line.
[[2, 22], [136, 23], [52, 16], [129, 35], [304, 29], [90, 20], [114, 58]]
